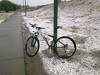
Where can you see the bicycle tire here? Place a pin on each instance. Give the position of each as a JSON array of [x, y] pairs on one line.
[[57, 50], [30, 50]]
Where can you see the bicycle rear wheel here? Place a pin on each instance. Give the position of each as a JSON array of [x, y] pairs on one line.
[[66, 47], [32, 46]]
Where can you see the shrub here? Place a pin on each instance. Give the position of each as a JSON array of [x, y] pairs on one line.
[[6, 5]]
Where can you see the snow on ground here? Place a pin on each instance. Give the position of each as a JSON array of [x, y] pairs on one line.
[[4, 16], [81, 21], [1, 21]]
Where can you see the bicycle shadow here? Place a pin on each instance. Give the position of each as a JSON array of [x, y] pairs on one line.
[[96, 56], [48, 53], [85, 59], [76, 57], [34, 66], [96, 53]]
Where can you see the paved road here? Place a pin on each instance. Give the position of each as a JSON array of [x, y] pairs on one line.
[[11, 49]]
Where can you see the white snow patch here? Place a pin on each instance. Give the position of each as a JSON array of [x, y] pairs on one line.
[[1, 21], [82, 24]]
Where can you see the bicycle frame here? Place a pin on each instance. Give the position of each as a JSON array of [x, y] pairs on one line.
[[45, 39], [41, 34], [38, 32]]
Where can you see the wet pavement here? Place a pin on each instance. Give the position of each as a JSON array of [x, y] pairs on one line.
[[11, 48]]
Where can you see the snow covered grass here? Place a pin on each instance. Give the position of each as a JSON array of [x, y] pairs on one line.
[[1, 21], [81, 22], [4, 16]]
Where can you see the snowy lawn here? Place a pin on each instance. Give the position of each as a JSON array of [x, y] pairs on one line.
[[4, 16], [82, 23]]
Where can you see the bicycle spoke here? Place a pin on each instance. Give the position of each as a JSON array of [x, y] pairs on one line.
[[66, 47], [32, 46]]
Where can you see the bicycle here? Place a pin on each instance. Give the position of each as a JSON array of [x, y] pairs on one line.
[[65, 46]]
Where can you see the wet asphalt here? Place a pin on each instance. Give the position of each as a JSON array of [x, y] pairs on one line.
[[11, 48], [13, 60]]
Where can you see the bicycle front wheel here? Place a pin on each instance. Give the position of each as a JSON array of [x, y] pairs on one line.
[[32, 46], [65, 47]]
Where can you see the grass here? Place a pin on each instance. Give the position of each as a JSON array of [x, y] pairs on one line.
[[4, 16]]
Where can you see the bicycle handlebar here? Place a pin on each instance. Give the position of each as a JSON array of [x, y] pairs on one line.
[[34, 25]]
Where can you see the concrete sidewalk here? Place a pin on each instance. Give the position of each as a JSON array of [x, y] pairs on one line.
[[11, 48]]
